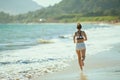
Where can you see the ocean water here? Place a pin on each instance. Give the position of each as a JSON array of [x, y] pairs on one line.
[[36, 49]]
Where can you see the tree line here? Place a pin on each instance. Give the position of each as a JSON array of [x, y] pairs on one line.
[[69, 11]]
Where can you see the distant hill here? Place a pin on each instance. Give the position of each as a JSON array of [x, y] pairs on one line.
[[71, 11], [83, 7], [91, 7], [77, 8], [18, 6]]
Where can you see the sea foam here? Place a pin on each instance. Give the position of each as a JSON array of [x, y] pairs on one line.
[[56, 54]]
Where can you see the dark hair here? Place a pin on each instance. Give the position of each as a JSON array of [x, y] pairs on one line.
[[79, 26]]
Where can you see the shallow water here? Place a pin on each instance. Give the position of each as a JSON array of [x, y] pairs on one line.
[[45, 48]]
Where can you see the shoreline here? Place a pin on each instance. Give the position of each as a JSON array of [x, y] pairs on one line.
[[28, 62], [90, 22], [95, 65], [99, 22]]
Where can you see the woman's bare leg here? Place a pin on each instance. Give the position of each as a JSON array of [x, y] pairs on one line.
[[83, 54], [79, 59]]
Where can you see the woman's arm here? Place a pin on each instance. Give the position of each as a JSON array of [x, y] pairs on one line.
[[85, 36], [74, 37]]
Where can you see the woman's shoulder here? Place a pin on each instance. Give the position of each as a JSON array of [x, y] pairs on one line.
[[83, 32]]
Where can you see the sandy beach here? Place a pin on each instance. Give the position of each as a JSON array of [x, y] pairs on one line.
[[53, 57], [103, 66]]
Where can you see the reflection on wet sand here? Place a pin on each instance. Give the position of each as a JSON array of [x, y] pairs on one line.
[[83, 76]]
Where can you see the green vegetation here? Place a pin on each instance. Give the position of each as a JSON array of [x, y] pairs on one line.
[[77, 18], [5, 18], [70, 11]]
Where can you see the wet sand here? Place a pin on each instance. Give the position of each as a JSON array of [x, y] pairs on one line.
[[103, 66]]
